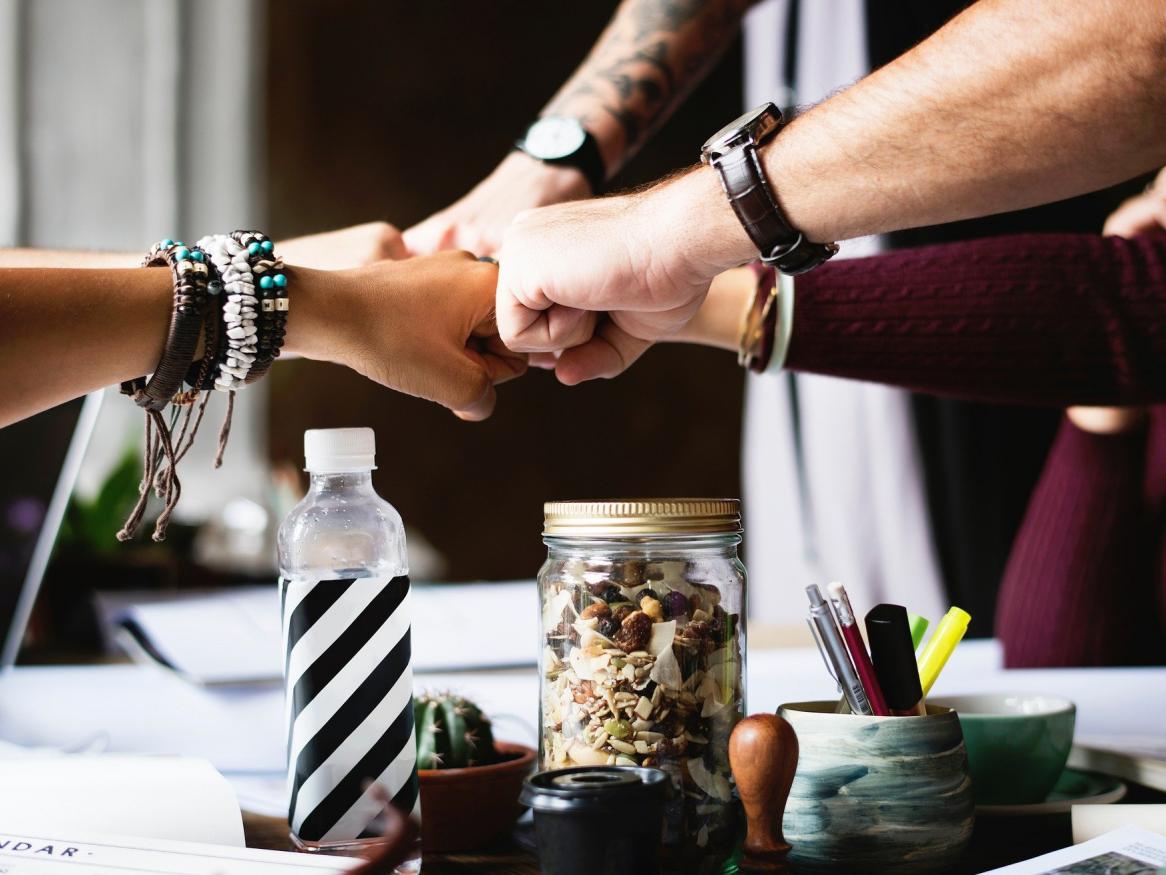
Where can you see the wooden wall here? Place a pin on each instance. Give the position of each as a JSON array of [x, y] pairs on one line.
[[391, 109]]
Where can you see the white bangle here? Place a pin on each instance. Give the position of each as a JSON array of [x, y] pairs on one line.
[[784, 327], [240, 308]]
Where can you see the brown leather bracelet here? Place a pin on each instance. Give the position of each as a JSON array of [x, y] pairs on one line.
[[189, 273]]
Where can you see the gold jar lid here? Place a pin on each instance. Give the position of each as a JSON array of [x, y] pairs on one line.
[[623, 517]]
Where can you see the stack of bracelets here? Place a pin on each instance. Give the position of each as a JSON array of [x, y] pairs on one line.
[[229, 289]]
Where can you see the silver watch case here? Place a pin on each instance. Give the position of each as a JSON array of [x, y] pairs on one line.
[[751, 129]]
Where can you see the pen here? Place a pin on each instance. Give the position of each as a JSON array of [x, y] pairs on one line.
[[844, 614], [918, 628], [835, 651], [944, 639], [893, 656]]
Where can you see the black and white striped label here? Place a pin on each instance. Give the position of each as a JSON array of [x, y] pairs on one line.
[[349, 689]]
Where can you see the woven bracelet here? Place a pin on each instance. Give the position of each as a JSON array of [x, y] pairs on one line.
[[189, 272]]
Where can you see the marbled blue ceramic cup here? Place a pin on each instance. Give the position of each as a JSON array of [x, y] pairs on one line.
[[877, 794]]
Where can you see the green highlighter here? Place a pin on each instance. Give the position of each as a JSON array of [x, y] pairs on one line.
[[918, 628]]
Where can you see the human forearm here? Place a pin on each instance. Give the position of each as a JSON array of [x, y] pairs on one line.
[[25, 257], [1013, 103], [647, 60], [66, 332], [1039, 319]]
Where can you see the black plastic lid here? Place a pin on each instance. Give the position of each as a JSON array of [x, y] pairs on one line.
[[584, 788]]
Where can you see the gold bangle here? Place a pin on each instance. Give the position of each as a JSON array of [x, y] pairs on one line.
[[752, 342]]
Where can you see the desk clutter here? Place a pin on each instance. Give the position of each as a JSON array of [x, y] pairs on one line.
[[646, 760]]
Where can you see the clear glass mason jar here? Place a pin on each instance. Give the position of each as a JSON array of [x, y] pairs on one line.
[[643, 622]]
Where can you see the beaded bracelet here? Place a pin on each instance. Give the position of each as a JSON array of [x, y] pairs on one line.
[[233, 265], [273, 299]]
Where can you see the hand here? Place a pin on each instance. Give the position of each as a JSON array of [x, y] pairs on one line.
[[1141, 213], [478, 221], [345, 248], [645, 260], [424, 326]]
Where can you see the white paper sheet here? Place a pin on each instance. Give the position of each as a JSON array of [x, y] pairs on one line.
[[143, 709], [159, 797], [59, 852], [1091, 821], [1130, 850], [234, 636]]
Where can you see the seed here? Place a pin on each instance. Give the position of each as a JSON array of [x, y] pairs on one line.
[[621, 746], [617, 728]]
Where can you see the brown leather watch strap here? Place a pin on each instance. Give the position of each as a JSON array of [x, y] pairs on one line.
[[779, 244]]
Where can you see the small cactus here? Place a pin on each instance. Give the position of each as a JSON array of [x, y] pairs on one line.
[[452, 732]]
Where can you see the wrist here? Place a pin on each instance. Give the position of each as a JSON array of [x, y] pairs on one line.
[[316, 306], [545, 183], [719, 321], [693, 216]]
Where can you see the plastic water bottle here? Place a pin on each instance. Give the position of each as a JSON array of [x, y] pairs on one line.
[[344, 592]]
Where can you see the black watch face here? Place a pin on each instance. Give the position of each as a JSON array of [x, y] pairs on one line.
[[551, 138], [753, 127]]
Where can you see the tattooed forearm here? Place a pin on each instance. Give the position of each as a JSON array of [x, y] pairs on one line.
[[651, 55]]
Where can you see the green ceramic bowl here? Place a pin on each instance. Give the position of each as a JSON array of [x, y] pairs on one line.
[[1017, 743]]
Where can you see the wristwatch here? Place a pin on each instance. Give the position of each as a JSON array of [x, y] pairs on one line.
[[732, 152], [565, 142]]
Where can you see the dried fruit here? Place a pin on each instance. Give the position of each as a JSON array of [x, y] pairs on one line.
[[611, 594], [652, 608], [647, 593], [596, 609], [675, 605], [608, 627], [620, 611], [634, 632]]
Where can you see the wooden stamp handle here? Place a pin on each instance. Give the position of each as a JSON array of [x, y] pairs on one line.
[[763, 752]]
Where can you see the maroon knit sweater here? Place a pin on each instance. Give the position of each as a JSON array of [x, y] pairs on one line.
[[1045, 319], [1050, 319]]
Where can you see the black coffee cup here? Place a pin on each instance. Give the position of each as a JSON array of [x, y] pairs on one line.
[[597, 820]]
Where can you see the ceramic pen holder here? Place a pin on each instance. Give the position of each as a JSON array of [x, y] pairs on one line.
[[877, 794]]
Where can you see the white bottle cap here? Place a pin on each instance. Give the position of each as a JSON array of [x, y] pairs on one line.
[[340, 450]]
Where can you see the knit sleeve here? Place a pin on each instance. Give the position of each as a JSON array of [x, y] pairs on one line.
[[1079, 587], [1048, 319]]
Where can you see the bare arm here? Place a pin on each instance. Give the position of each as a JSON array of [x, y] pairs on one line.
[[1013, 103], [64, 332], [67, 258], [643, 66], [645, 63]]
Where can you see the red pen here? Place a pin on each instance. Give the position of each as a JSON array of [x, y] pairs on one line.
[[844, 614]]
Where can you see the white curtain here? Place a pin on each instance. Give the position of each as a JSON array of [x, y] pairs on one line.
[[124, 121]]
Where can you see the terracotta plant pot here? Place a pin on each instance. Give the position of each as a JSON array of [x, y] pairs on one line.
[[471, 808]]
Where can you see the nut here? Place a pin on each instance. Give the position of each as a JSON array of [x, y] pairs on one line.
[[595, 609], [652, 608], [620, 612]]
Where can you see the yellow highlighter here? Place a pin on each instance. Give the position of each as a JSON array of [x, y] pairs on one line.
[[938, 650]]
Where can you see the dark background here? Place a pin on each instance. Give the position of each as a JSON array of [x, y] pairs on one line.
[[392, 110]]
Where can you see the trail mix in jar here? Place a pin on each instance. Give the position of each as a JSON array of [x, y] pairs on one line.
[[642, 666]]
